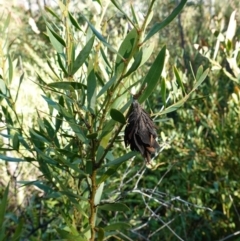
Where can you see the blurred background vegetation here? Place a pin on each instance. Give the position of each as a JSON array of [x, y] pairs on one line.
[[193, 191]]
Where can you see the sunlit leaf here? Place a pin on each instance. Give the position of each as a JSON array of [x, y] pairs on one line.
[[55, 41], [125, 50], [74, 21], [98, 195], [82, 56], [65, 85], [153, 75], [158, 26]]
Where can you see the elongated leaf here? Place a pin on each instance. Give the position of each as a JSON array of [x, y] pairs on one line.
[[122, 159], [153, 75], [18, 231], [110, 171], [158, 26], [98, 195], [178, 104], [163, 91], [136, 63], [57, 36], [147, 52], [11, 159], [91, 91], [19, 85], [117, 226], [10, 69], [107, 86], [179, 81], [56, 15], [101, 38], [201, 79], [199, 72], [125, 50], [15, 141], [74, 21], [100, 233], [54, 41], [65, 85], [82, 56], [117, 116], [3, 205], [61, 64], [114, 207]]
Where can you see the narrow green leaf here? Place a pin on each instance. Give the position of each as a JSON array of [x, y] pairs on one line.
[[179, 81], [158, 26], [60, 63], [98, 195], [19, 85], [54, 41], [125, 50], [10, 69], [52, 68], [11, 159], [114, 207], [24, 143], [199, 72], [134, 15], [117, 116], [56, 15], [107, 128], [3, 205], [18, 231], [65, 85], [7, 116], [122, 159], [82, 56], [3, 88], [57, 36], [147, 52], [15, 141], [101, 38], [201, 79], [6, 23], [153, 75], [92, 136], [89, 167], [91, 91], [100, 233], [74, 21], [107, 86], [136, 63], [110, 171], [39, 136], [100, 152], [163, 91], [117, 226]]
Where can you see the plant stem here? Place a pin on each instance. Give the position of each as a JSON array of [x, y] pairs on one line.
[[92, 217]]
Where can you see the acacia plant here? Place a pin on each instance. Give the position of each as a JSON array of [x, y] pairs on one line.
[[78, 144]]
